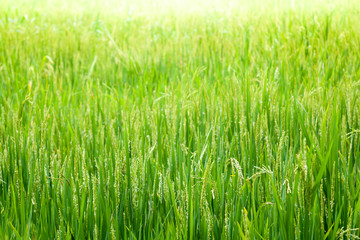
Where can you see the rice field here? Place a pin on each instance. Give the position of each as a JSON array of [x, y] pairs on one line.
[[171, 120]]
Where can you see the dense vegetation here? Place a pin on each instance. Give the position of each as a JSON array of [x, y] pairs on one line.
[[224, 124]]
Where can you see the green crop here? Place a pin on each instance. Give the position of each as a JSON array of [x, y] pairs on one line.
[[151, 121]]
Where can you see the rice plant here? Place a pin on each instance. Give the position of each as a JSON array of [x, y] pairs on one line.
[[226, 120]]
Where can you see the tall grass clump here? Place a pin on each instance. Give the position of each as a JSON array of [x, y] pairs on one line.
[[229, 122]]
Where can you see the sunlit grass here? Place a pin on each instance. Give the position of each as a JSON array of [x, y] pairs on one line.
[[118, 120]]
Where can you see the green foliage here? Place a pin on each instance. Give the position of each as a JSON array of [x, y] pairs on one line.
[[190, 125]]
